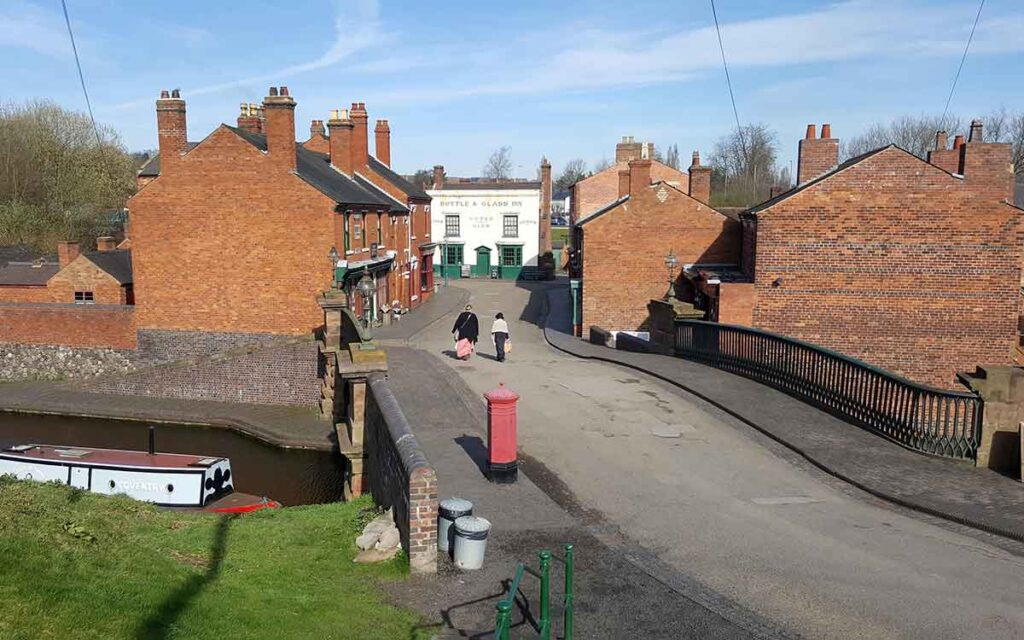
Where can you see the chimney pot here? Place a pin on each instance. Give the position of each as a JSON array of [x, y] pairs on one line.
[[811, 135], [977, 134], [273, 91], [176, 93], [958, 141], [164, 95], [284, 91], [826, 131]]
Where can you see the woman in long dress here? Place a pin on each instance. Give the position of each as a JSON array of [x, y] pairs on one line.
[[466, 332]]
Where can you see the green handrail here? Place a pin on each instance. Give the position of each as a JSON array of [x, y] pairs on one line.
[[503, 620]]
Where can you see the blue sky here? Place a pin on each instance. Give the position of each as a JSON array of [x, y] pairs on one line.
[[457, 79]]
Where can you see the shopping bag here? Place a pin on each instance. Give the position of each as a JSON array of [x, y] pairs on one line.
[[508, 346], [463, 348]]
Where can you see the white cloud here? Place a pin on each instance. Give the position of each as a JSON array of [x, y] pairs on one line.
[[26, 26], [356, 26]]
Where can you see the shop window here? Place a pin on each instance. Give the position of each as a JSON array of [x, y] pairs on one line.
[[511, 256], [454, 254], [84, 297]]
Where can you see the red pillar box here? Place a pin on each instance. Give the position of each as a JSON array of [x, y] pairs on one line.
[[502, 465]]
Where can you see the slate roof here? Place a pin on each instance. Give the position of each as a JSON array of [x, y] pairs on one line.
[[315, 168], [603, 210], [27, 273], [497, 186], [117, 263], [384, 171], [21, 253], [396, 205]]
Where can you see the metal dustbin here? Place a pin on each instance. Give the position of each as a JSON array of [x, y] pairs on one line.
[[494, 273], [448, 511], [471, 541]]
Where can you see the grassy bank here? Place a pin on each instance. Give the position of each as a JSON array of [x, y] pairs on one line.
[[78, 565]]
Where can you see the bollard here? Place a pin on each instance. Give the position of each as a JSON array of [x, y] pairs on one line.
[[545, 594], [568, 602], [502, 465]]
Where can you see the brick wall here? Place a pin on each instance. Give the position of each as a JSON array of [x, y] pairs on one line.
[[399, 476], [25, 294], [280, 375], [602, 188], [736, 301], [71, 325], [157, 346], [226, 240], [624, 253], [895, 262], [83, 275]]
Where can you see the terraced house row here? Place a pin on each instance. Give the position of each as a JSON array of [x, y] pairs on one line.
[[228, 238], [909, 264]]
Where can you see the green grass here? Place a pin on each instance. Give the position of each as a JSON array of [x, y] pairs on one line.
[[79, 565], [560, 234]]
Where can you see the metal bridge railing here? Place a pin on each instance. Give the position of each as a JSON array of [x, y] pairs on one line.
[[936, 421], [503, 622]]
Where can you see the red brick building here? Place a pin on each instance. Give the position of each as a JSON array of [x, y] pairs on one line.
[[622, 246], [231, 235], [596, 191], [909, 265]]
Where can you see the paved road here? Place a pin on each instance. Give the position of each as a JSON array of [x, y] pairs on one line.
[[717, 502]]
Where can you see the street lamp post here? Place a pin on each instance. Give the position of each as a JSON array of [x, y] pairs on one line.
[[671, 262], [444, 261], [333, 257], [366, 288]]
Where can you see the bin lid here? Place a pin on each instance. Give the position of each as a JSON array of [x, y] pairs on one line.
[[472, 524], [453, 508]]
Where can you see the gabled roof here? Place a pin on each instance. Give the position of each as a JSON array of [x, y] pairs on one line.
[[315, 168], [603, 210], [828, 174], [117, 263], [384, 171], [27, 274], [22, 253]]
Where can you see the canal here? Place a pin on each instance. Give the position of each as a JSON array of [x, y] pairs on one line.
[[290, 476]]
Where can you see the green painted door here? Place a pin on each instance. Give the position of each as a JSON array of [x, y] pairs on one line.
[[482, 269]]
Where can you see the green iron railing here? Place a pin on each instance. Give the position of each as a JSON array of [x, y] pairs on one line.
[[936, 421], [503, 622]]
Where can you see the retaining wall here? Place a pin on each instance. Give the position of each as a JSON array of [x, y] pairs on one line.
[[71, 325]]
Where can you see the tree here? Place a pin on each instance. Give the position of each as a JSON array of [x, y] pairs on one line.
[[672, 156], [601, 165], [499, 165], [574, 171], [57, 181], [424, 179], [915, 134], [743, 166]]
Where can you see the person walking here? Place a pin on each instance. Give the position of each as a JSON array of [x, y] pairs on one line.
[[500, 336], [466, 332]]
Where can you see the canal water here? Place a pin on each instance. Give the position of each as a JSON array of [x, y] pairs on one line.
[[290, 476]]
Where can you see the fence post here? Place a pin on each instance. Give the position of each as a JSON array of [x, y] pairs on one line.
[[545, 595], [568, 602], [503, 623]]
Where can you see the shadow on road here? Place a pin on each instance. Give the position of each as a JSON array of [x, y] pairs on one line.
[[475, 449]]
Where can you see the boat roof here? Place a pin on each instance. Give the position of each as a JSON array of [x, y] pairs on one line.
[[88, 456]]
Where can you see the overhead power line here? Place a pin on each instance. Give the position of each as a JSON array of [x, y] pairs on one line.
[[728, 81], [967, 48], [81, 76]]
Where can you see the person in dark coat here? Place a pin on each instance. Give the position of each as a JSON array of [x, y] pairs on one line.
[[466, 327]]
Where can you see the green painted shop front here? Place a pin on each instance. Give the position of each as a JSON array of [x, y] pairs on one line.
[[509, 262]]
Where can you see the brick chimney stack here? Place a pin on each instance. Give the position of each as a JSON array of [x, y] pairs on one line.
[[639, 176], [438, 176], [67, 252], [105, 243], [316, 128], [545, 206], [383, 134], [987, 167], [279, 108], [942, 156], [250, 118], [817, 155], [623, 183], [628, 149], [360, 136], [700, 180], [171, 128], [340, 140]]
